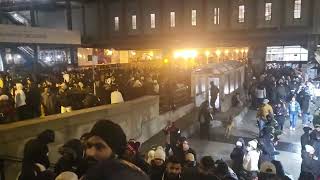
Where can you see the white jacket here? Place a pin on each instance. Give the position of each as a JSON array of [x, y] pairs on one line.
[[116, 97], [20, 98], [261, 93], [251, 160]]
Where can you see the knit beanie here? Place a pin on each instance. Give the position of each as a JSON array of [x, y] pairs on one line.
[[190, 157], [112, 134], [67, 176], [151, 154], [160, 154]]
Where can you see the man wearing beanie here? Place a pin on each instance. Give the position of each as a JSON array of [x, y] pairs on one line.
[[104, 149]]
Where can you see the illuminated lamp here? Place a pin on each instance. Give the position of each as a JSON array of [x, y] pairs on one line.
[[166, 61], [18, 56], [207, 53], [151, 53], [109, 52], [133, 53], [237, 51], [226, 52], [246, 50], [193, 53], [177, 54], [218, 52]]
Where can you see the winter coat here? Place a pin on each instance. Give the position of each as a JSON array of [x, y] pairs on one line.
[[281, 92], [237, 158], [20, 98], [143, 165], [268, 149], [309, 165], [264, 111], [305, 104], [305, 140], [294, 107], [35, 172], [49, 103], [251, 160], [156, 172], [261, 93], [115, 169]]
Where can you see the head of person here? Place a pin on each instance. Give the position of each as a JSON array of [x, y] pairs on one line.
[[222, 168], [67, 176], [132, 150], [240, 143], [46, 136], [159, 156], [107, 140], [307, 129], [317, 127], [265, 101], [72, 150], [293, 99], [206, 165], [252, 145], [185, 146], [173, 168], [190, 160], [84, 138], [268, 171]]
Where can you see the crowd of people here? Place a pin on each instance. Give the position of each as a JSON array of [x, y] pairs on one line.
[[104, 153], [26, 97]]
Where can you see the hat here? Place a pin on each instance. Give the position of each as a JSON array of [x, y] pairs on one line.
[[4, 98], [160, 154], [238, 143], [309, 149], [133, 146], [265, 101], [67, 176], [189, 157], [254, 77], [253, 144], [151, 154], [305, 129], [112, 134], [268, 168]]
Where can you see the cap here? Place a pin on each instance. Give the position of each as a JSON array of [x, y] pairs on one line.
[[268, 168], [160, 154]]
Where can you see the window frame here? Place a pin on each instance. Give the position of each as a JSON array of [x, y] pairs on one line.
[[152, 20], [297, 9], [193, 17], [241, 13], [268, 11], [116, 23], [172, 19], [134, 22], [216, 15]]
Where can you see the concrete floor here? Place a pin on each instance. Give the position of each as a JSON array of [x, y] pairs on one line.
[[220, 148]]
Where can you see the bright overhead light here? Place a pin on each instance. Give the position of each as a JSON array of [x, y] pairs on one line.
[[207, 53], [58, 56], [218, 52], [226, 52], [48, 58]]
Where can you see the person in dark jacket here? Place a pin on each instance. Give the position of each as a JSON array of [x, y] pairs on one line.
[[158, 164], [305, 108], [181, 152], [223, 172], [268, 149], [204, 118], [206, 169], [33, 100], [237, 156], [305, 138], [280, 112], [214, 91], [280, 170], [72, 158], [315, 139], [310, 163], [104, 149], [35, 157]]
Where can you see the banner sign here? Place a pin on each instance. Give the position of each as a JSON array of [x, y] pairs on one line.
[[25, 34]]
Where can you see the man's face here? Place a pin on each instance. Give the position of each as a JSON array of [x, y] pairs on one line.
[[173, 170], [97, 149]]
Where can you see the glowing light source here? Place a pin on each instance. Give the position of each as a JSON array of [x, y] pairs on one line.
[[48, 58], [246, 50], [226, 52], [151, 53], [166, 61], [218, 52], [242, 50], [18, 56], [186, 54], [133, 53], [58, 56], [109, 52], [237, 51], [207, 53]]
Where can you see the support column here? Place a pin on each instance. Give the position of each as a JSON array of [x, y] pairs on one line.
[[33, 15], [69, 14], [36, 49], [83, 18]]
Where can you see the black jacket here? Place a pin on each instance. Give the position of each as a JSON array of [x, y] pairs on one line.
[[156, 172], [115, 169], [237, 158]]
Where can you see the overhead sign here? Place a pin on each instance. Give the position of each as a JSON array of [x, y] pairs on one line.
[[24, 34]]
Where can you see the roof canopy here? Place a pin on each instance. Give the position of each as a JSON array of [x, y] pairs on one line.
[[220, 68]]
